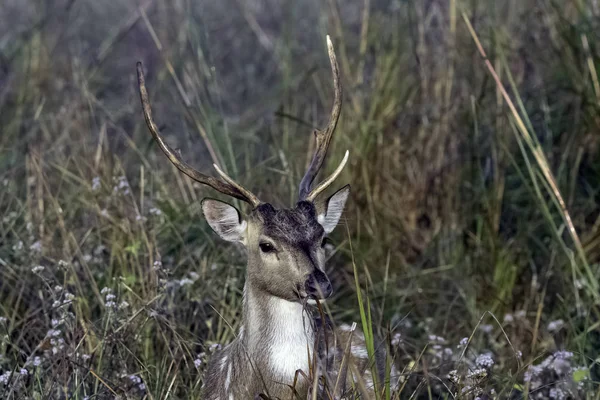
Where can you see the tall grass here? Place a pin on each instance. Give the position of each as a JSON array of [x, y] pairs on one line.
[[471, 242]]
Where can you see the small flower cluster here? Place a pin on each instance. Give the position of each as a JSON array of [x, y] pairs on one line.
[[110, 300], [555, 326], [518, 315], [121, 186], [556, 377], [13, 378], [135, 381], [63, 297], [185, 281], [95, 256], [200, 360], [96, 184], [472, 370], [37, 269], [109, 297], [55, 333]]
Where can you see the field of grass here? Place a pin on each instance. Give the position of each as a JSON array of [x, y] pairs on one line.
[[472, 231]]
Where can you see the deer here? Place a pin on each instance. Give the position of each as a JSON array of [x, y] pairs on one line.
[[282, 345]]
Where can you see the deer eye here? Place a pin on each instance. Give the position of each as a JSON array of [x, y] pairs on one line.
[[266, 247], [325, 241]]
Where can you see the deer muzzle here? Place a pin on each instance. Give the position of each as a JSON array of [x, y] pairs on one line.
[[317, 285]]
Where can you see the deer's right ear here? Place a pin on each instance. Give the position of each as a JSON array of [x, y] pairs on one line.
[[330, 211], [225, 220]]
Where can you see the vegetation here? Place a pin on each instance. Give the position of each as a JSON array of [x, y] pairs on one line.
[[471, 240]]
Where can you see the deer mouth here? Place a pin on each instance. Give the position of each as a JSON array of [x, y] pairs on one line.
[[301, 292]]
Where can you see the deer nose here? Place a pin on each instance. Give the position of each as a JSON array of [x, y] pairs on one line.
[[318, 286]]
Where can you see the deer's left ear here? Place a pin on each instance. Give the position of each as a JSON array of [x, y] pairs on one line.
[[330, 211]]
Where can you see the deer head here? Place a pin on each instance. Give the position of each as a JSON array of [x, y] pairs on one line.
[[285, 246]]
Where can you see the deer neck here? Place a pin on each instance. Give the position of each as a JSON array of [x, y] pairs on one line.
[[278, 334]]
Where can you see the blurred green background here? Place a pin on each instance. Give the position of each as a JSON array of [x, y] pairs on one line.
[[467, 218]]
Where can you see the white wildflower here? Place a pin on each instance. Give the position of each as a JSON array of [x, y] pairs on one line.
[[36, 247], [197, 362], [185, 281], [484, 361], [477, 373], [121, 186], [37, 269], [557, 393], [99, 250], [555, 326], [5, 377], [521, 314], [106, 290], [53, 333], [155, 211], [23, 371], [563, 355], [96, 183], [214, 347], [436, 339], [453, 376]]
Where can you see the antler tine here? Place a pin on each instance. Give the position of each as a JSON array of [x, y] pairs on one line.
[[323, 137], [323, 185], [230, 187], [249, 196]]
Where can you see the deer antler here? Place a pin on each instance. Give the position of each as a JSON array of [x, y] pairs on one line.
[[229, 187], [323, 138]]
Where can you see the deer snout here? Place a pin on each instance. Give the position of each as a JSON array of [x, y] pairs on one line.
[[317, 285]]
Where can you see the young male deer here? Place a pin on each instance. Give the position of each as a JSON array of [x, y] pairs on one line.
[[279, 344]]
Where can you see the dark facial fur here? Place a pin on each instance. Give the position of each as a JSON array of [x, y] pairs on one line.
[[297, 227]]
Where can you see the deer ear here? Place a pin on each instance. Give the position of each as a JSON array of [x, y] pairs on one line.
[[224, 219], [330, 211]]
